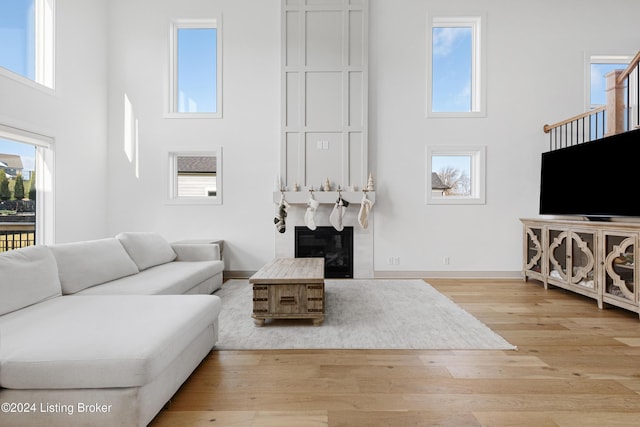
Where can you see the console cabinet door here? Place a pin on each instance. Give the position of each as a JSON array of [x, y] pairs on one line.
[[558, 256], [582, 259], [534, 252], [620, 268], [572, 259]]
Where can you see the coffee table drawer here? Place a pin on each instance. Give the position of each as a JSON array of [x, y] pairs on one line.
[[288, 301]]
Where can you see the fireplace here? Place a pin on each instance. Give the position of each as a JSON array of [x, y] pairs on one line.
[[336, 247]]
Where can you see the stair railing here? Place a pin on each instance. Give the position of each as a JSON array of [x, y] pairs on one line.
[[629, 79], [584, 127], [620, 114]]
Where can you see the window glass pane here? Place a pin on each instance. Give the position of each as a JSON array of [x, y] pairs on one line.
[[599, 68], [197, 73], [197, 176], [598, 82], [451, 175], [452, 69], [17, 195], [17, 37], [455, 175]]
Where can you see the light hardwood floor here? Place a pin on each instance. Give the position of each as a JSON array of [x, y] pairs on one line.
[[575, 366]]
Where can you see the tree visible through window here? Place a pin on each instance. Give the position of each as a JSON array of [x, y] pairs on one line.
[[17, 195], [455, 175]]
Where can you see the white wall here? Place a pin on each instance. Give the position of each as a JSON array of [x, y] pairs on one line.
[[75, 115], [535, 63], [248, 131]]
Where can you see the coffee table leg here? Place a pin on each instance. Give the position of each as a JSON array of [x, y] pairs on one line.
[[258, 322], [318, 322]]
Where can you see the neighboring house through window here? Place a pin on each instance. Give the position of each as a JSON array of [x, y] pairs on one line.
[[11, 164], [26, 208], [195, 177], [455, 174]]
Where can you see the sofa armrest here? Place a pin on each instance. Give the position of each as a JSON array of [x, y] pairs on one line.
[[196, 251]]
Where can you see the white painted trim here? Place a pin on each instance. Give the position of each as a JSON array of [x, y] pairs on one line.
[[478, 154], [379, 274], [172, 177], [303, 69], [601, 57], [496, 275], [478, 63], [44, 37], [171, 107], [45, 178], [28, 137]]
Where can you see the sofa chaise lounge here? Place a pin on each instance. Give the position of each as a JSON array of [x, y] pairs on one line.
[[83, 340]]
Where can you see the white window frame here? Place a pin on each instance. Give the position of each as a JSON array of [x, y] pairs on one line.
[[45, 201], [478, 62], [477, 174], [172, 174], [600, 58], [172, 102], [44, 49]]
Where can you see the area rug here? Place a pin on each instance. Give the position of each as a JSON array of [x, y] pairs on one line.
[[359, 314]]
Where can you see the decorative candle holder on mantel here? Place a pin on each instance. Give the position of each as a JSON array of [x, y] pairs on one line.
[[302, 197]]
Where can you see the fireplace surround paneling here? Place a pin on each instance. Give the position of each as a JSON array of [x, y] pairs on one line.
[[362, 238]]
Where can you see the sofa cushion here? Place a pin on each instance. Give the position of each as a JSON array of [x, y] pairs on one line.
[[28, 276], [92, 262], [170, 279], [100, 341], [147, 249]]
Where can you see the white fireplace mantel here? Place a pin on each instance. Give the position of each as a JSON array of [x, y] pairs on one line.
[[303, 196]]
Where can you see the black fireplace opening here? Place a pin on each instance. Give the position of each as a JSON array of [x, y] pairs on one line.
[[336, 247]]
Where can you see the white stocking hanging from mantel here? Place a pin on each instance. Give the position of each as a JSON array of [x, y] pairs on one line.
[[338, 213], [309, 215], [365, 208]]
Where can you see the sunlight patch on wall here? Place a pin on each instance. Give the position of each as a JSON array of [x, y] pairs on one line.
[[130, 136]]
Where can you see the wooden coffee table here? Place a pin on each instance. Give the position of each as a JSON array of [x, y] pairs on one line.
[[289, 288]]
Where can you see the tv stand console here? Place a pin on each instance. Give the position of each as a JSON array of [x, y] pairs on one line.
[[592, 258]]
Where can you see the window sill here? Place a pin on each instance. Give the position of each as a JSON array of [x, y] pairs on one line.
[[452, 200], [26, 82], [194, 201], [452, 115], [193, 115]]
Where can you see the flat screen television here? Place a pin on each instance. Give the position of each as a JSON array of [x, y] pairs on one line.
[[598, 179]]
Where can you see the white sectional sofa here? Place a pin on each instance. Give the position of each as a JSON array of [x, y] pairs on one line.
[[96, 333]]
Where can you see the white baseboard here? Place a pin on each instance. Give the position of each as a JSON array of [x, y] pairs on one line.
[[245, 274], [448, 274]]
